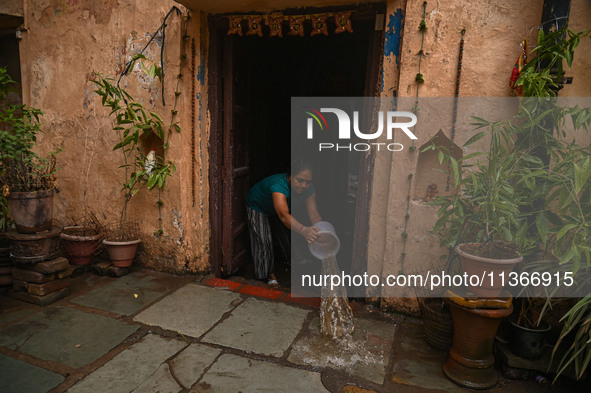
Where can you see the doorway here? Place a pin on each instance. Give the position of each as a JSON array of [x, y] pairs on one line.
[[252, 80]]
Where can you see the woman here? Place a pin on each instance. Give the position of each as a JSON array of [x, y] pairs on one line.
[[269, 202]]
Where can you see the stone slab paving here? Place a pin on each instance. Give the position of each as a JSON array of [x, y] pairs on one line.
[[189, 365], [125, 295], [191, 310], [365, 355], [65, 335], [19, 377], [258, 326], [232, 373], [16, 311], [416, 363], [159, 382], [138, 366]]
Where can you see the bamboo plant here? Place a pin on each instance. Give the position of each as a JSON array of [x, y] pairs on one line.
[[530, 192]]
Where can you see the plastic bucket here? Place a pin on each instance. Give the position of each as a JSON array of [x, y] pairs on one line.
[[328, 244]]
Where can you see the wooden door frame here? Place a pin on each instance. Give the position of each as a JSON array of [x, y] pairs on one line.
[[214, 98], [217, 24], [366, 165]]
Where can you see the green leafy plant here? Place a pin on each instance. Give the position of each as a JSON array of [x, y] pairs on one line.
[[131, 122], [530, 191], [21, 169]]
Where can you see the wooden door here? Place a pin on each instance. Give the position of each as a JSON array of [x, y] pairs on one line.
[[235, 161]]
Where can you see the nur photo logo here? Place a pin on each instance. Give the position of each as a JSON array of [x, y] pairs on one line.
[[347, 129]]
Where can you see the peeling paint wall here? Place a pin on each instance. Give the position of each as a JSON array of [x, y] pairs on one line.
[[66, 43]]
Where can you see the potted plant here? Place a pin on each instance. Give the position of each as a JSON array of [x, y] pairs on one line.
[[529, 197], [559, 212], [482, 221], [81, 241], [27, 179], [131, 123]]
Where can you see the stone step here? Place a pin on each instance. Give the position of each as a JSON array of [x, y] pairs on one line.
[[48, 287], [32, 276], [41, 300], [48, 267]]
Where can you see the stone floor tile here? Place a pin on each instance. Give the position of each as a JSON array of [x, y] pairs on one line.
[[12, 309], [125, 295], [189, 365], [365, 355], [192, 310], [131, 368], [159, 382], [231, 374], [19, 377], [416, 363], [259, 326], [65, 335]]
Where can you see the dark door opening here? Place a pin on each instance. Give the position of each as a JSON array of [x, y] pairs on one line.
[[251, 125], [10, 55]]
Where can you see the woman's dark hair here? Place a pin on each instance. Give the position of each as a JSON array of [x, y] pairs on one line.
[[298, 165]]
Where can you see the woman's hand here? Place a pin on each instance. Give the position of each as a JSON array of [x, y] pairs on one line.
[[310, 234]]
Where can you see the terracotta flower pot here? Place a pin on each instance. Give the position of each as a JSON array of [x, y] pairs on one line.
[[471, 363], [31, 212], [479, 266], [121, 253], [78, 246]]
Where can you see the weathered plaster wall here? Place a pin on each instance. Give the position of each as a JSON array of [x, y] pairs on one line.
[[12, 7], [494, 31], [580, 19], [66, 42]]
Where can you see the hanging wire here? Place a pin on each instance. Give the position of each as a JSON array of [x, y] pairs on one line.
[[162, 31], [455, 111]]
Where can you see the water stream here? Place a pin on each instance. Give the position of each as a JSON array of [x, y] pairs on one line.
[[336, 316]]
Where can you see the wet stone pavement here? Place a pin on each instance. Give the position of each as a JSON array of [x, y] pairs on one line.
[[154, 332]]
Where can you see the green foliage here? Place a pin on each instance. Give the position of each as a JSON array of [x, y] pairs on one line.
[[530, 190], [540, 77], [578, 324], [133, 121], [21, 169]]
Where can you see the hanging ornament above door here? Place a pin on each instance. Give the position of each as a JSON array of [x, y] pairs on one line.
[[297, 24]]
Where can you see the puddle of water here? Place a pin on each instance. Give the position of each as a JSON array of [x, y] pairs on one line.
[[336, 317], [341, 353]]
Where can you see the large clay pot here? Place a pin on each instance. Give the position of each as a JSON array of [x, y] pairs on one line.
[[31, 212], [36, 247], [79, 244], [471, 363], [121, 253], [479, 266]]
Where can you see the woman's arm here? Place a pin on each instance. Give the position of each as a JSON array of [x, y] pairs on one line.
[[280, 203]]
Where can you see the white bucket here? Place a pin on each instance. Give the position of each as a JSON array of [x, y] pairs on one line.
[[328, 244]]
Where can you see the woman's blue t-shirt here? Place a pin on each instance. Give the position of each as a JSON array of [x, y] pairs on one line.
[[260, 196]]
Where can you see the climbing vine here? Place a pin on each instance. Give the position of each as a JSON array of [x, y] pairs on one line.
[[420, 79]]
